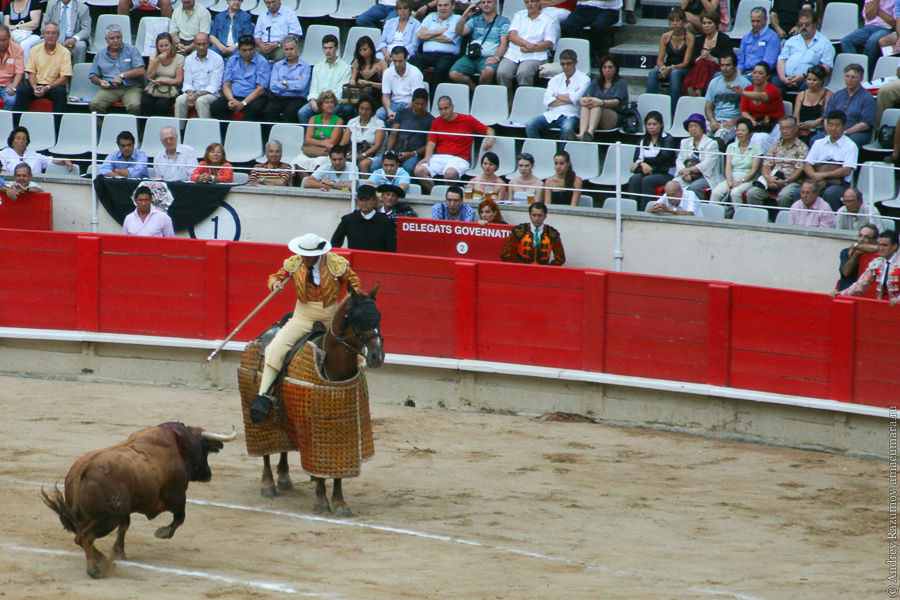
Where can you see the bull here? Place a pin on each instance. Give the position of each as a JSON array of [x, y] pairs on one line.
[[148, 474]]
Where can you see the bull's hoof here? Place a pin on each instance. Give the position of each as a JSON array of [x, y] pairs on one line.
[[95, 573], [285, 483], [119, 554], [321, 509], [164, 533], [267, 491], [343, 511]]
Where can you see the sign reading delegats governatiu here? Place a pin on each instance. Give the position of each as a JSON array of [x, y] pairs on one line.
[[451, 239]]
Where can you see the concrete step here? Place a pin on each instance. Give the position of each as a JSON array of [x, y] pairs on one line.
[[657, 9], [646, 31], [636, 80], [636, 55]]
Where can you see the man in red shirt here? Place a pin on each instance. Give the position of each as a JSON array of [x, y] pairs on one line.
[[449, 148]]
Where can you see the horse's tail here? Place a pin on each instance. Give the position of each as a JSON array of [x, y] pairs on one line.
[[55, 502]]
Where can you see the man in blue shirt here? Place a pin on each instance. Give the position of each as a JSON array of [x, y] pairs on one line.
[[761, 44], [288, 85], [802, 51], [244, 83], [453, 209], [119, 71], [126, 161], [273, 26], [440, 43], [857, 104]]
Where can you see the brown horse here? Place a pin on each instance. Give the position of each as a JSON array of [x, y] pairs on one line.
[[354, 332]]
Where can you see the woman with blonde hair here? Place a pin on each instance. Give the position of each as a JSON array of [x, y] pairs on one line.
[[214, 168], [323, 132]]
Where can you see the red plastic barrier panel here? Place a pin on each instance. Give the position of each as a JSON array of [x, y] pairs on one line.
[[28, 211], [453, 239]]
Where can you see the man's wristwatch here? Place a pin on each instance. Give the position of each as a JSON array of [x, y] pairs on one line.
[[244, 102]]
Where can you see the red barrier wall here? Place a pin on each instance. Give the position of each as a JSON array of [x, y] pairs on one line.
[[684, 330], [28, 211]]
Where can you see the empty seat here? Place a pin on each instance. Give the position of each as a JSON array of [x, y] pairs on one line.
[[658, 102], [543, 151], [713, 210], [291, 138], [81, 88], [742, 17], [98, 42], [112, 126], [886, 67], [6, 125], [783, 217], [505, 149], [876, 181], [511, 7], [585, 159], [62, 171], [489, 104], [582, 49], [319, 8], [353, 36], [687, 105], [628, 204], [527, 104], [414, 189], [350, 9], [839, 19], [586, 201], [200, 133], [74, 135], [312, 42], [41, 129], [150, 143], [836, 82], [243, 141], [750, 214], [155, 25], [608, 176], [440, 192], [458, 93], [241, 177]]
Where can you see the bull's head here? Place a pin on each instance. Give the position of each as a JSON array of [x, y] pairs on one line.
[[201, 443]]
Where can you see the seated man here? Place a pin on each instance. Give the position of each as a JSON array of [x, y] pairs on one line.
[[449, 150], [858, 107], [48, 71], [561, 100], [723, 99], [390, 202], [330, 75], [119, 71], [884, 271], [676, 201], [188, 20], [831, 160], [599, 15], [390, 172], [490, 39], [440, 43], [801, 52], [164, 6], [521, 247], [273, 171], [864, 248], [177, 161], [855, 213], [227, 28], [12, 68], [761, 44], [73, 18], [453, 209], [273, 26], [782, 168], [408, 136], [810, 210], [288, 85], [398, 83], [365, 228], [126, 161], [243, 84], [23, 183], [203, 71], [532, 34], [147, 220], [334, 176], [377, 14], [878, 19]]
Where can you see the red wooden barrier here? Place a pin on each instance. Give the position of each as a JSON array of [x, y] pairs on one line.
[[28, 211], [693, 331]]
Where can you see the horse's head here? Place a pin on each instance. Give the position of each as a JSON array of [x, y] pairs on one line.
[[360, 325]]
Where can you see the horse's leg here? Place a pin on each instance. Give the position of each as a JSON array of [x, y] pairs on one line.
[[337, 501], [284, 474], [267, 484], [321, 506]]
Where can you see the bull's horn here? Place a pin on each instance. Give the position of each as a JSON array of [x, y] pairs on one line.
[[219, 437]]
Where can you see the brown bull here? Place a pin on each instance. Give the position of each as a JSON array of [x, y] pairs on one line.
[[148, 474]]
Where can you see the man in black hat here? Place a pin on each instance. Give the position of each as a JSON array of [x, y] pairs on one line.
[[390, 202], [366, 228]]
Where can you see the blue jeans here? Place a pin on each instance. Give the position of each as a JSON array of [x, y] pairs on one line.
[[538, 124], [344, 111], [599, 20], [676, 76], [9, 100], [376, 16], [866, 38], [409, 164], [381, 113]]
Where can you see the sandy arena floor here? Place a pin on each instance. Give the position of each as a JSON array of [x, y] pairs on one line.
[[453, 506]]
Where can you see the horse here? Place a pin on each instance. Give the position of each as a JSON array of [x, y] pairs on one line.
[[353, 332]]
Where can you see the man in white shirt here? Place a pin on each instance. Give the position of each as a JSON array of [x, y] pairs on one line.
[[839, 152], [802, 52], [561, 99], [74, 21], [273, 26], [177, 161], [531, 35], [329, 75], [202, 80], [188, 20], [440, 43], [676, 201], [398, 83]]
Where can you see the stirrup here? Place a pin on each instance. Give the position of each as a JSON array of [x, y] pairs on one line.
[[259, 410]]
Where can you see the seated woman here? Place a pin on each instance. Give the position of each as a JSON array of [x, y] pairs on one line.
[[489, 212], [564, 177], [400, 31], [708, 47], [694, 11], [743, 160], [697, 166], [322, 133], [525, 187], [676, 51], [214, 168], [809, 105], [488, 182], [23, 17], [17, 152], [370, 134], [165, 74], [367, 67], [603, 101], [656, 160], [761, 103]]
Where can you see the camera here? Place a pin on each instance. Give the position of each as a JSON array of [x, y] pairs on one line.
[[476, 10]]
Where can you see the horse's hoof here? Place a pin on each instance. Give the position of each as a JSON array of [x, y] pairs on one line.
[[321, 509], [267, 491], [164, 533], [285, 484], [343, 511]]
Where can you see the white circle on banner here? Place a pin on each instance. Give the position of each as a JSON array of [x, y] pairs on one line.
[[462, 248], [222, 224]]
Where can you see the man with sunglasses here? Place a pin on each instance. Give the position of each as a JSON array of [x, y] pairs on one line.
[[801, 52]]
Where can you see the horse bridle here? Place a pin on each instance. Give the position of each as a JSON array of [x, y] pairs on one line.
[[371, 314]]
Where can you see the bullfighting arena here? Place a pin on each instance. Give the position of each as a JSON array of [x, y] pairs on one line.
[[453, 506]]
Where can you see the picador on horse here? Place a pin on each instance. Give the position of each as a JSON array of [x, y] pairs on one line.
[[320, 396]]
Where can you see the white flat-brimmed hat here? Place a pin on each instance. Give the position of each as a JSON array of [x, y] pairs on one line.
[[309, 244]]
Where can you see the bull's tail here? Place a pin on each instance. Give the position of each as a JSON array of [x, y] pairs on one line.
[[55, 502]]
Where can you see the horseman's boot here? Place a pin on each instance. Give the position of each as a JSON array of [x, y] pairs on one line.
[[259, 410]]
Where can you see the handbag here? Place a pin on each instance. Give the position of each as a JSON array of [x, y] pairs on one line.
[[473, 50], [819, 167], [161, 90], [354, 92], [886, 136], [631, 119]]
